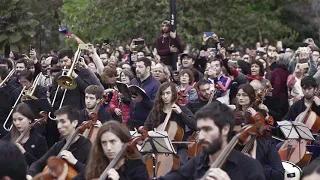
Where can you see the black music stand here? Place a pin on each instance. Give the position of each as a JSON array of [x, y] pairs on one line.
[[295, 130], [157, 142]]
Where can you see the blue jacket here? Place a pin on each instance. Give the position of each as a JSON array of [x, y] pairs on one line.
[[139, 112]]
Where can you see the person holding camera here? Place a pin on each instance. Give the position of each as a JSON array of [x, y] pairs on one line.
[[167, 44]]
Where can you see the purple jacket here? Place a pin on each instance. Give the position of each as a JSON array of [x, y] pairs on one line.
[[139, 112], [163, 47]]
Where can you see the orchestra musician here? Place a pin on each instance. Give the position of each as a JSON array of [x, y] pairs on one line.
[[12, 163], [165, 102], [215, 123], [140, 106], [110, 139], [93, 99], [6, 101], [310, 98], [263, 148], [84, 78], [77, 155], [33, 145]]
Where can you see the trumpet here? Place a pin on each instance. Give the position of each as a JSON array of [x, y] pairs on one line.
[[23, 96], [7, 78]]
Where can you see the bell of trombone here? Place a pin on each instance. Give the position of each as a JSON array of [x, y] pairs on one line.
[[67, 81], [33, 88]]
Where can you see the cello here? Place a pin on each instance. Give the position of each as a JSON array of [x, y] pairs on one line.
[[129, 146], [295, 151], [166, 162], [241, 137], [91, 132], [71, 171]]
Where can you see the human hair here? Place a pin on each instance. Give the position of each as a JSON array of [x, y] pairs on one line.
[[283, 60], [7, 62], [189, 73], [65, 52], [108, 72], [15, 55], [127, 73], [219, 113], [12, 162], [249, 90], [261, 71], [44, 56], [25, 110], [216, 59], [3, 73], [26, 74], [24, 61], [146, 61], [55, 68], [54, 60], [95, 90], [308, 81], [202, 82], [98, 161], [71, 112], [157, 109], [312, 168]]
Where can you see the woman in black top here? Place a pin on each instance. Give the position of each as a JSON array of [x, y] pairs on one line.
[[110, 139], [33, 145]]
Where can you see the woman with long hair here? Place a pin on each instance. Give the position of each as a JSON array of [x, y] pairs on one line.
[[33, 146], [164, 103], [110, 139]]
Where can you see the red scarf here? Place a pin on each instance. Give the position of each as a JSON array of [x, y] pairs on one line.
[[250, 77]]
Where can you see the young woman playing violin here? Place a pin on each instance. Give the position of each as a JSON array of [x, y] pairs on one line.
[[260, 148], [110, 139], [165, 102], [31, 144]]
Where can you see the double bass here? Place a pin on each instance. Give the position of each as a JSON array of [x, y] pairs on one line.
[[295, 151], [166, 162], [47, 171]]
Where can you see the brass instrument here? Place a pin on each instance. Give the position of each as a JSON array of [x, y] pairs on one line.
[[5, 80], [23, 96], [67, 81]]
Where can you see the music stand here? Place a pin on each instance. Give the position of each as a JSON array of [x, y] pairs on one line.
[[295, 130], [157, 142]]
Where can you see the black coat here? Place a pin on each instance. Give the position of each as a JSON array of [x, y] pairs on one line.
[[76, 96], [36, 146], [103, 115]]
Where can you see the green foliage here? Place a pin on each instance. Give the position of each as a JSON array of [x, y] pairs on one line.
[[239, 21]]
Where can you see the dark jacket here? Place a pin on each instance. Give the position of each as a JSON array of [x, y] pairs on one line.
[[163, 47], [75, 97], [40, 92], [268, 156], [132, 170], [139, 112], [6, 102], [36, 146], [103, 114], [238, 166], [298, 107], [80, 150], [279, 83]]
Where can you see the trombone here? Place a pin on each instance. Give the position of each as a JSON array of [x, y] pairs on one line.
[[23, 96], [66, 81], [8, 77]]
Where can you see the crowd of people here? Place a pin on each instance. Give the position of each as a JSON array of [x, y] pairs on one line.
[[67, 115]]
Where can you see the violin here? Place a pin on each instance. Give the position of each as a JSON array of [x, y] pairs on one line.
[[91, 132], [129, 146], [241, 137], [71, 171], [35, 124]]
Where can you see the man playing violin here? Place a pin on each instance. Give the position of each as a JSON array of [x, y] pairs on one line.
[[310, 98], [77, 154], [165, 102], [109, 142], [215, 123]]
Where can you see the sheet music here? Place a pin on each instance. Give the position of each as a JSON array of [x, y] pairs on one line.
[[295, 130]]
